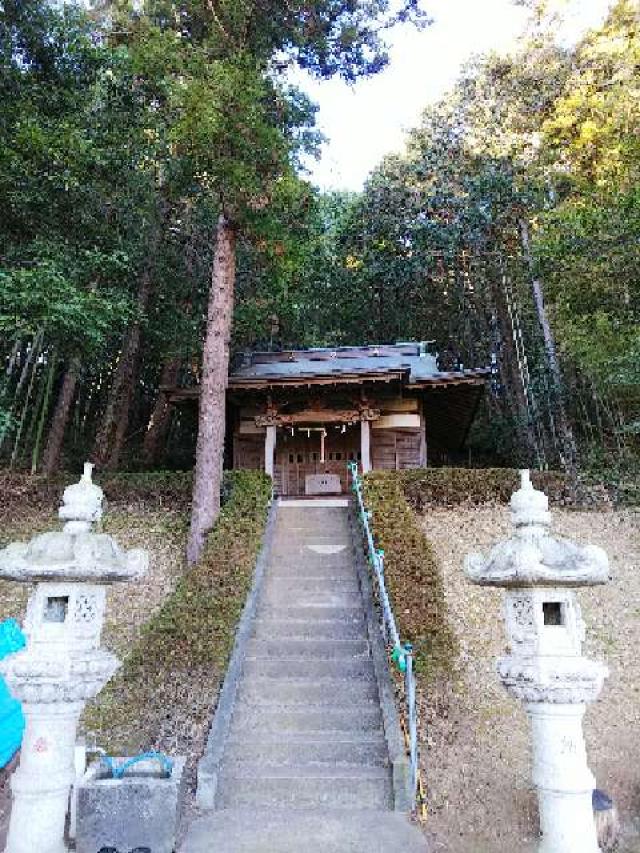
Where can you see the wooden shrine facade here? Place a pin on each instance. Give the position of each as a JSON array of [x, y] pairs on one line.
[[303, 415]]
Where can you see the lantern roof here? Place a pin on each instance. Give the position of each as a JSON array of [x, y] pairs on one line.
[[76, 553], [532, 556]]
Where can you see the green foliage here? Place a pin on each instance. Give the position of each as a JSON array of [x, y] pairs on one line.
[[587, 243], [592, 134], [475, 486], [186, 631], [234, 126], [75, 184], [413, 575], [134, 128], [48, 297], [417, 254], [589, 253], [326, 37], [432, 248]]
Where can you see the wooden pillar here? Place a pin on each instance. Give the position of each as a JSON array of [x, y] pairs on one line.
[[269, 451], [365, 445], [423, 436]]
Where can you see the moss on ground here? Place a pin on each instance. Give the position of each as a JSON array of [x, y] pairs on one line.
[[413, 575], [163, 695]]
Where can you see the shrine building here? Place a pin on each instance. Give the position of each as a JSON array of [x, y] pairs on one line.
[[303, 414]]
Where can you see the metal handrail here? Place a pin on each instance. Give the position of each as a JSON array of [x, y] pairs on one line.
[[401, 654]]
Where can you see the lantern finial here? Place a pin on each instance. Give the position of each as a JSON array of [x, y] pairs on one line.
[[82, 503]]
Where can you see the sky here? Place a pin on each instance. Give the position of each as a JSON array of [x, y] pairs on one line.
[[367, 120]]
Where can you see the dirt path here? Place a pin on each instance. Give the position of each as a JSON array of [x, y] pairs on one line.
[[477, 756]]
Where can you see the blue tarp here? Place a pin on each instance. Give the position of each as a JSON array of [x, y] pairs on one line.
[[11, 717]]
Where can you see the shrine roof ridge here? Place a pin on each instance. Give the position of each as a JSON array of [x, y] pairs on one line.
[[411, 361]]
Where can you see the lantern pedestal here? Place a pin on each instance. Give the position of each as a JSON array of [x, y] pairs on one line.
[[41, 784], [545, 668], [563, 779], [63, 665]]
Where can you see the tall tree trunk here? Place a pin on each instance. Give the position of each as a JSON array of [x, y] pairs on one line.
[[122, 422], [213, 387], [34, 352], [511, 371], [53, 360], [161, 415], [559, 402], [51, 456], [13, 358], [25, 411], [29, 369], [110, 437]]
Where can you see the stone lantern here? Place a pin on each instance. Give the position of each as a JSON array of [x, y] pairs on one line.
[[63, 665], [544, 667]]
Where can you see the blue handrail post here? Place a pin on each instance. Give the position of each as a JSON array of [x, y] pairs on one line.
[[410, 690]]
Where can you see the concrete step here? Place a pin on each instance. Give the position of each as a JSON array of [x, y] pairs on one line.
[[331, 692], [311, 612], [338, 537], [324, 598], [308, 670], [295, 551], [316, 569], [306, 629], [316, 532], [334, 534], [253, 830], [305, 786], [305, 558], [308, 516], [308, 649], [311, 535], [305, 766], [330, 547], [345, 749], [255, 721], [298, 587]]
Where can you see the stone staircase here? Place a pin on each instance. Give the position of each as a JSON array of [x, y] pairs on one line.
[[305, 764]]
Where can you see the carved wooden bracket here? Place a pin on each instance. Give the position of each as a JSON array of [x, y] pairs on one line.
[[327, 416], [367, 413]]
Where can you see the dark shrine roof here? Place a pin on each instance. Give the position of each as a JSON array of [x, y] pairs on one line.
[[410, 363]]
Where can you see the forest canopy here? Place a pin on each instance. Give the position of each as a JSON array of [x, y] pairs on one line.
[[137, 139]]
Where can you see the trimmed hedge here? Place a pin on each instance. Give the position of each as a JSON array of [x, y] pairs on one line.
[[162, 695], [413, 575], [44, 494], [426, 487], [154, 488]]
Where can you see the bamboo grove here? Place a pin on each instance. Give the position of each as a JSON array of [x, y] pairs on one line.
[[507, 231]]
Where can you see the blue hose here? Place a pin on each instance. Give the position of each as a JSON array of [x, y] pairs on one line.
[[118, 770]]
